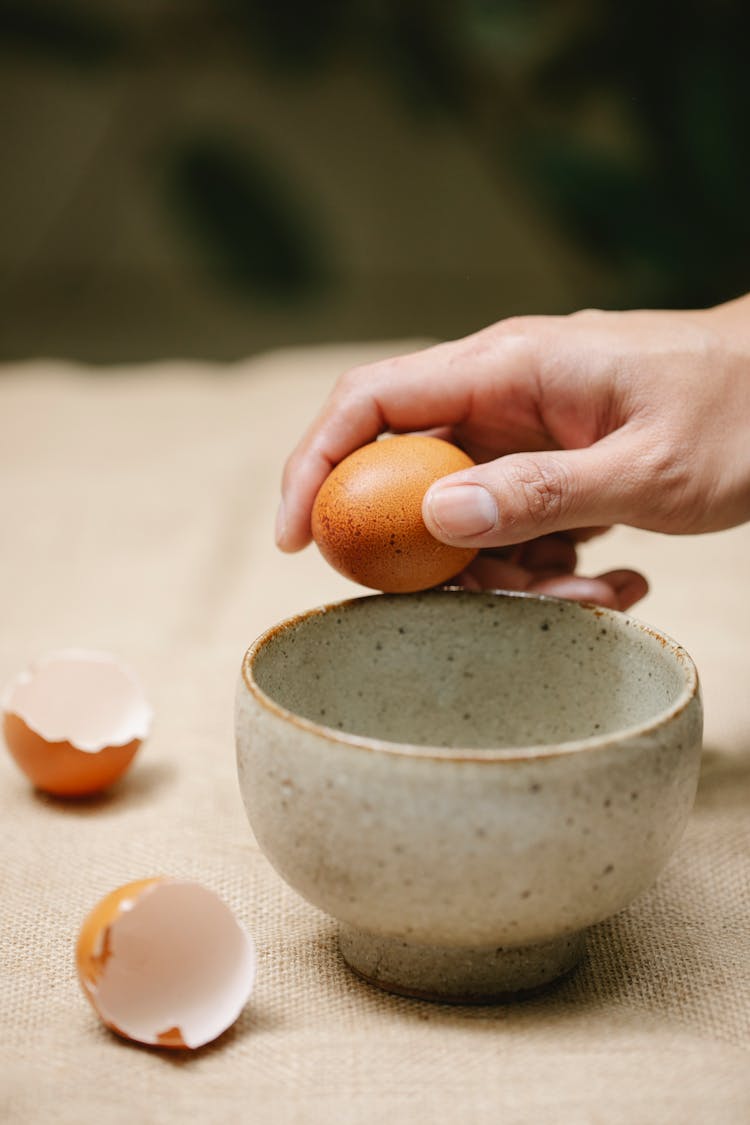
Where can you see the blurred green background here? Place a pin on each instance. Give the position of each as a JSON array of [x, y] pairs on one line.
[[213, 177]]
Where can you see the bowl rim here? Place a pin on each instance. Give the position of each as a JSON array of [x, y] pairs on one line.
[[510, 754]]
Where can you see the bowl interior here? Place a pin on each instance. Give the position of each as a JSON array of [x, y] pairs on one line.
[[457, 669]]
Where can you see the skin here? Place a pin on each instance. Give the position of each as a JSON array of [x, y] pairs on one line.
[[576, 423]]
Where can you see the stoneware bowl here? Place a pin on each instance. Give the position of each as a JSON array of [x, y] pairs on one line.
[[467, 782]]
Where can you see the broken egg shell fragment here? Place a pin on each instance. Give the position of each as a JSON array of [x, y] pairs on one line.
[[165, 962], [74, 721], [92, 951], [59, 767]]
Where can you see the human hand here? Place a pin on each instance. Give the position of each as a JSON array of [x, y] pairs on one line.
[[582, 421]]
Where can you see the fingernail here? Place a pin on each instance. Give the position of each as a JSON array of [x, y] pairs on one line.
[[280, 523], [462, 510]]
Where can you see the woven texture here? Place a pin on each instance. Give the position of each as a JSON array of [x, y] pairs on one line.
[[137, 512]]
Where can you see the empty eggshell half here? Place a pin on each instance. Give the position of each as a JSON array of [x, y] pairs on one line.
[[74, 721], [165, 962]]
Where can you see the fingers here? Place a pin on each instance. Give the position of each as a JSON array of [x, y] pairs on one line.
[[629, 586], [617, 589], [425, 391], [527, 495], [486, 573], [550, 553], [396, 394]]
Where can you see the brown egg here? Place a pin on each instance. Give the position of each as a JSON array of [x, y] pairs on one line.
[[367, 516]]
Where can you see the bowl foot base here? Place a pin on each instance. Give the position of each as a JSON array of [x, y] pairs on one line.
[[459, 976]]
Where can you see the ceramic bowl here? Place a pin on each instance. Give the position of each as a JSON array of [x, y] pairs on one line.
[[467, 782]]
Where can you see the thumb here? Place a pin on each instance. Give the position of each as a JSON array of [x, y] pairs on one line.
[[525, 495]]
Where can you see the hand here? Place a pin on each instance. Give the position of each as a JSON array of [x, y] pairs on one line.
[[582, 421]]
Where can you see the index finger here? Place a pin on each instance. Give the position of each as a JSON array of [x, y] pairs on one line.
[[419, 391]]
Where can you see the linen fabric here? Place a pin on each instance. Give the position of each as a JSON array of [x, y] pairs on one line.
[[137, 508]]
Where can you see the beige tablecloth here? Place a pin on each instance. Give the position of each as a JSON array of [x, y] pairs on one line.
[[136, 513]]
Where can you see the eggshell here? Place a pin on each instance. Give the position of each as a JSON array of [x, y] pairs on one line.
[[367, 517], [165, 962], [74, 721]]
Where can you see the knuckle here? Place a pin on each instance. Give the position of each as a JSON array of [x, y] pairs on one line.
[[587, 314], [359, 387], [526, 329], [352, 379], [515, 325], [487, 340], [542, 489]]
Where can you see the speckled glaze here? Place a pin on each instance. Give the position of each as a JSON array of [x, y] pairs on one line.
[[466, 781]]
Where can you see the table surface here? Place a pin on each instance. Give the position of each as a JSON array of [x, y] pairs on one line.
[[137, 512]]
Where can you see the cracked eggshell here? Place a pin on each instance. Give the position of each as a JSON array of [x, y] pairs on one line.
[[74, 720], [367, 516], [165, 962]]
